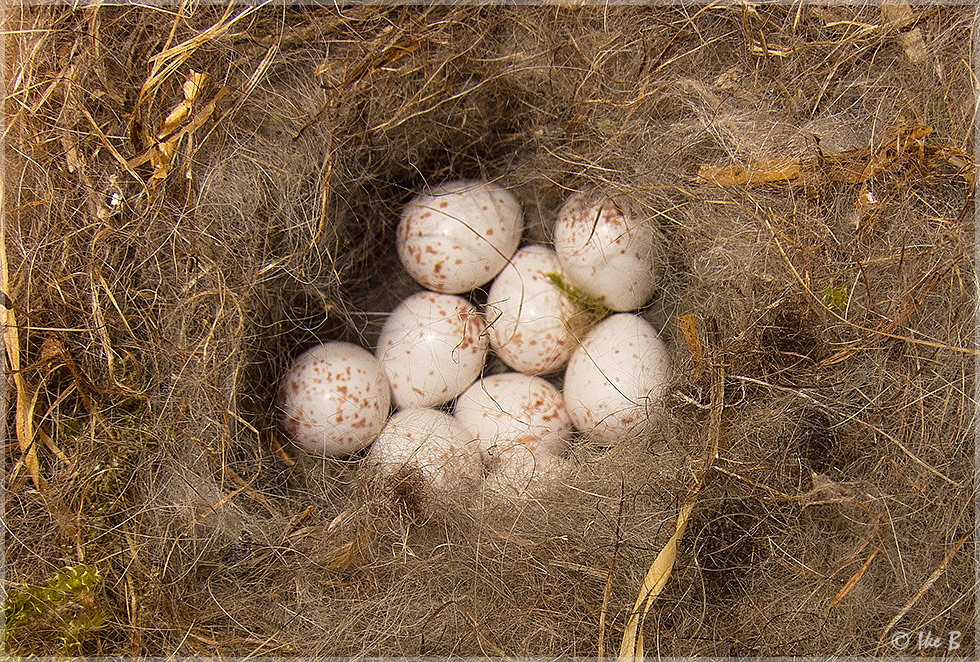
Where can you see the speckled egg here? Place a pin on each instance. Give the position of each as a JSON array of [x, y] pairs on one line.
[[517, 471], [334, 400], [432, 347], [459, 235], [430, 441], [616, 380], [534, 326], [609, 252], [511, 408]]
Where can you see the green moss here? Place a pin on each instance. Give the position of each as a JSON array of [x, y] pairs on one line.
[[63, 596], [607, 127], [835, 297], [585, 301]]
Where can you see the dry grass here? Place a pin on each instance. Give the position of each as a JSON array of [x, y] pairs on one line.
[[195, 194]]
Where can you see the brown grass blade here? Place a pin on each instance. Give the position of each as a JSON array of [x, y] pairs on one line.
[[752, 174], [632, 646], [24, 416]]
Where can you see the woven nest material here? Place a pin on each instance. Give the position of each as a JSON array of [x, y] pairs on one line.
[[196, 194]]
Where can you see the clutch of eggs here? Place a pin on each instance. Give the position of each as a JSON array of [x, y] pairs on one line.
[[336, 398]]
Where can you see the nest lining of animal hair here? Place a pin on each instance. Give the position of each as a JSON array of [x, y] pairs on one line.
[[196, 194]]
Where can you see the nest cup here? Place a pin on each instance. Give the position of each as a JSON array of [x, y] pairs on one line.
[[226, 184]]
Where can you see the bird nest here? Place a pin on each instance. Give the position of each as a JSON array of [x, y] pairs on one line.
[[194, 194]]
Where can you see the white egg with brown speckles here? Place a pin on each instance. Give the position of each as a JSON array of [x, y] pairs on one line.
[[511, 408], [534, 326], [334, 400], [608, 251], [430, 442], [616, 380], [432, 347], [459, 235]]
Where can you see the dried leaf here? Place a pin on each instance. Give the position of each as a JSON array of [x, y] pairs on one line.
[[898, 140], [351, 554], [901, 15], [754, 173], [167, 139], [199, 118], [192, 88], [853, 166]]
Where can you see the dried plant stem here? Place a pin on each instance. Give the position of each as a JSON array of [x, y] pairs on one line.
[[24, 414], [632, 648]]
